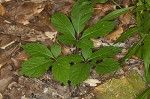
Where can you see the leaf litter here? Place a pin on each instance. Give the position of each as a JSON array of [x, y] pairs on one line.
[[24, 22]]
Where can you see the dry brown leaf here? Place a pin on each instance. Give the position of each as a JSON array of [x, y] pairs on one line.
[[2, 1], [92, 82], [2, 10], [4, 57], [25, 11], [114, 35], [4, 83], [126, 19], [17, 63], [97, 42], [126, 3], [6, 71], [38, 1], [22, 56], [67, 50], [51, 35], [105, 7], [102, 9]]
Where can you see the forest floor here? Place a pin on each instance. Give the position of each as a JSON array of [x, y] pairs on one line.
[[26, 21]]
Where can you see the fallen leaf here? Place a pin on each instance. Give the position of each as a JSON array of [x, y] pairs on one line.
[[97, 42], [22, 56], [105, 7], [6, 72], [51, 35], [4, 83], [2, 10], [114, 35], [92, 82], [5, 56], [26, 11], [2, 1], [127, 18], [67, 50]]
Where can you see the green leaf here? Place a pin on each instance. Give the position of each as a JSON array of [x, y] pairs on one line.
[[61, 71], [85, 44], [116, 13], [56, 50], [86, 53], [101, 28], [143, 22], [37, 50], [130, 32], [146, 57], [99, 1], [139, 52], [105, 52], [80, 15], [107, 66], [35, 67], [66, 39], [131, 51], [79, 73], [62, 24], [146, 23], [144, 95], [71, 58]]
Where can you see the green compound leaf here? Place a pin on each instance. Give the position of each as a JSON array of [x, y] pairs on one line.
[[86, 53], [101, 28], [79, 73], [56, 50], [130, 32], [72, 58], [37, 50], [61, 71], [66, 39], [107, 66], [35, 67], [105, 52], [80, 15], [85, 44], [62, 24], [116, 13]]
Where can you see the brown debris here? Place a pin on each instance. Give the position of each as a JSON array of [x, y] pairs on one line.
[[2, 10], [127, 18], [114, 35], [4, 83], [24, 12]]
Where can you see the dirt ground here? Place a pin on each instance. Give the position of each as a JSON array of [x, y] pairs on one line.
[[25, 21]]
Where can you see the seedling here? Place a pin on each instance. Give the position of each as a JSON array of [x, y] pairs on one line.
[[75, 67]]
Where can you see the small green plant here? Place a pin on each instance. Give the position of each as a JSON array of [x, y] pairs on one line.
[[75, 67], [142, 48]]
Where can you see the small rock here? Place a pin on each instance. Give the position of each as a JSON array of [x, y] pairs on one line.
[[4, 83]]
